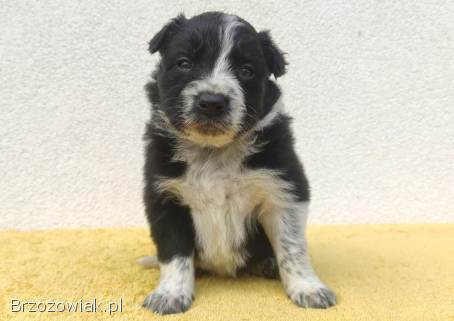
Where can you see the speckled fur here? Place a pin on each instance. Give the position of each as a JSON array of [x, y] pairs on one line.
[[233, 195]]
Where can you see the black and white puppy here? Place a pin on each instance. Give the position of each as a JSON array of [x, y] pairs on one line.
[[224, 189]]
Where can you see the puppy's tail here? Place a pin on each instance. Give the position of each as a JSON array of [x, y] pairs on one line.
[[148, 262]]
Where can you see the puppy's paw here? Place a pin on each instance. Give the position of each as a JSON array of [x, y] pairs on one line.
[[166, 302], [319, 297]]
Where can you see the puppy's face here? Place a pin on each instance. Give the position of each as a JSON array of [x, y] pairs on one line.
[[212, 79]]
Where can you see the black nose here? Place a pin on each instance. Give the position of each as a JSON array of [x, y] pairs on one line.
[[212, 104]]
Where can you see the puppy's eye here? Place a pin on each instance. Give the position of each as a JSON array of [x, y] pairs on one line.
[[246, 72], [184, 64]]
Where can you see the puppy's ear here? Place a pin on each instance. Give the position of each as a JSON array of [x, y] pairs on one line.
[[161, 39], [273, 55]]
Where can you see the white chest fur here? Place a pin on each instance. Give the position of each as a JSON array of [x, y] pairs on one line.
[[223, 196]]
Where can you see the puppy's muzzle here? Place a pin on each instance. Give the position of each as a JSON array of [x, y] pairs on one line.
[[212, 106]]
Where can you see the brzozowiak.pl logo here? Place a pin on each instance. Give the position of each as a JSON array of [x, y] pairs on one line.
[[54, 306]]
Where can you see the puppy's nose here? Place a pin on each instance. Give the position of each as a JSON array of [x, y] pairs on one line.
[[212, 104]]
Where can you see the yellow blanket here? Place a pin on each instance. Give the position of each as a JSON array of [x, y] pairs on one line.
[[379, 272]]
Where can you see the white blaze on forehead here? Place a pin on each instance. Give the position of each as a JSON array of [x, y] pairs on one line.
[[222, 75], [221, 80], [226, 36]]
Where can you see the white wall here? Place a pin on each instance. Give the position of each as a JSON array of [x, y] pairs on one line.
[[371, 87]]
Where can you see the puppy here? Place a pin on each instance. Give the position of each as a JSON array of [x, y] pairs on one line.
[[224, 189]]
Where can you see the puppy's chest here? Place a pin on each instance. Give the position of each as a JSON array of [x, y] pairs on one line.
[[226, 190], [222, 195]]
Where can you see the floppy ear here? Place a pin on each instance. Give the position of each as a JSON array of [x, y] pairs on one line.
[[161, 39], [273, 55]]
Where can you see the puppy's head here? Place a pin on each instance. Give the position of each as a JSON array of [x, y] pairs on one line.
[[213, 76]]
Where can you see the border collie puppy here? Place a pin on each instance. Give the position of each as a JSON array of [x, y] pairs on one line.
[[224, 189]]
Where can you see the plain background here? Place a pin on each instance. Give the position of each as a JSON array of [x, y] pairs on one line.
[[370, 85]]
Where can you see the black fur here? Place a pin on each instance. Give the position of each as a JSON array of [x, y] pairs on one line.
[[198, 38], [171, 224], [279, 154], [274, 57], [160, 40]]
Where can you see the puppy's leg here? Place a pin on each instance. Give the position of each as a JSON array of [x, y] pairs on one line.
[[266, 268], [261, 260], [286, 231], [175, 291], [173, 234]]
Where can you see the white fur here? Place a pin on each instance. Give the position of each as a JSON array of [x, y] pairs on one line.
[[176, 286], [286, 230], [276, 110], [174, 278], [223, 197]]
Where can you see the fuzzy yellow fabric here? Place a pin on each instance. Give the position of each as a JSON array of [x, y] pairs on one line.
[[387, 272]]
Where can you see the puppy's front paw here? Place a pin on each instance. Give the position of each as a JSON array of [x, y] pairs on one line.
[[166, 302], [319, 297]]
